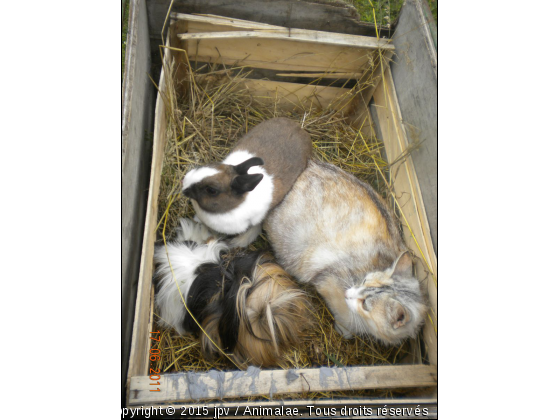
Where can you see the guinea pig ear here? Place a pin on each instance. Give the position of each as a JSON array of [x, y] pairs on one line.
[[243, 167], [403, 265], [244, 183], [399, 315]]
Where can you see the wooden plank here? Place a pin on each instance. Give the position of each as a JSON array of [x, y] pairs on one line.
[[137, 119], [330, 75], [414, 71], [295, 96], [298, 35], [409, 197], [327, 16], [223, 21], [138, 364], [278, 54], [274, 54], [191, 386]]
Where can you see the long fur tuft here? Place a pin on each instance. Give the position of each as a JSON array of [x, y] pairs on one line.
[[271, 313], [185, 258], [247, 305]]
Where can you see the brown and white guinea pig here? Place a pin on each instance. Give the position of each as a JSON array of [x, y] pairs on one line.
[[335, 232], [233, 197], [247, 304]]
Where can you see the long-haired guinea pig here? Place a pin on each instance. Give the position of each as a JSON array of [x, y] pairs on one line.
[[335, 232], [234, 196], [247, 304]]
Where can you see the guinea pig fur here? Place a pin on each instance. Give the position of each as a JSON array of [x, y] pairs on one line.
[[336, 233], [246, 303], [235, 195]]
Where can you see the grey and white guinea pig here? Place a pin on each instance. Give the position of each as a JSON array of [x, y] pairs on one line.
[[233, 197], [336, 233], [247, 304]]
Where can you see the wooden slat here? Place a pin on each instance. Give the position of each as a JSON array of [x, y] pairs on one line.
[[138, 364], [409, 196], [414, 71], [192, 386], [223, 21], [330, 75], [298, 35], [278, 55], [293, 96], [274, 54]]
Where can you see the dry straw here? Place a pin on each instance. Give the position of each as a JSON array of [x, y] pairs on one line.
[[208, 110]]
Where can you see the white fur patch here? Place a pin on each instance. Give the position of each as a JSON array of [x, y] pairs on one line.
[[323, 256], [194, 176], [352, 295], [238, 157], [184, 260], [249, 213], [246, 238], [191, 231]]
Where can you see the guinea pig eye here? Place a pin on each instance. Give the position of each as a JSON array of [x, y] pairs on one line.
[[211, 191]]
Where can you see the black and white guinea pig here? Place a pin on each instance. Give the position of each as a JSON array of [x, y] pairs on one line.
[[247, 304], [233, 197]]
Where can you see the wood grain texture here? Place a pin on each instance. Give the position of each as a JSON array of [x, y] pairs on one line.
[[414, 71], [294, 96], [315, 15], [191, 386], [228, 42], [138, 364], [301, 35], [223, 21], [137, 120], [410, 199], [328, 75], [278, 54]]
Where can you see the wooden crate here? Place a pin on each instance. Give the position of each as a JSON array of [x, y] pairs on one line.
[[294, 53]]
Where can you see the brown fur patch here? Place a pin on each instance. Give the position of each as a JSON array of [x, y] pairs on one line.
[[285, 148], [225, 199], [274, 313]]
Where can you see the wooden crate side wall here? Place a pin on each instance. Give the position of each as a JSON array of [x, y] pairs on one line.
[[416, 230], [191, 386], [272, 53], [137, 120], [138, 365], [414, 71]]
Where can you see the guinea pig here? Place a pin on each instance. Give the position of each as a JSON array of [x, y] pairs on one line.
[[335, 232], [248, 305], [233, 197]]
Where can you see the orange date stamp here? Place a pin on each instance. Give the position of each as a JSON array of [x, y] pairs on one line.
[[154, 357]]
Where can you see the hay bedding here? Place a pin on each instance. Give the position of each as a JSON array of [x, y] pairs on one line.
[[204, 124]]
